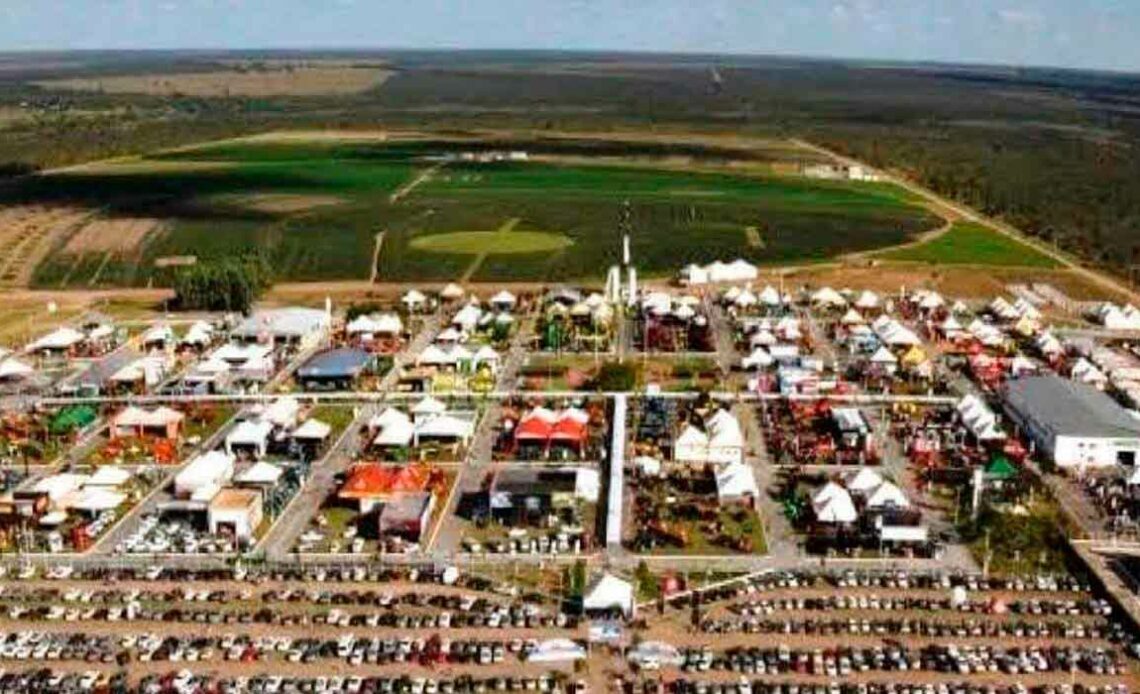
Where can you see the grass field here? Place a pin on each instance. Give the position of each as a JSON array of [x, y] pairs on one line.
[[317, 205], [968, 243]]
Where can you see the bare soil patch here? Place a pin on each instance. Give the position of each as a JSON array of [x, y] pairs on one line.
[[112, 235], [27, 235], [271, 81], [279, 203]]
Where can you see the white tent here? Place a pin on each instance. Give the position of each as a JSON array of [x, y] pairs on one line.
[[444, 426], [828, 492], [109, 476], [745, 299], [555, 651], [467, 318], [157, 333], [58, 339], [429, 406], [250, 433], [864, 481], [14, 370], [282, 412], [397, 433], [883, 356], [383, 324], [657, 653], [312, 429], [887, 495], [199, 334], [838, 508], [769, 296], [608, 592], [1134, 478], [207, 470], [451, 292], [692, 446], [735, 482], [867, 300], [828, 297], [852, 317], [414, 299], [260, 473], [694, 274], [97, 500], [503, 299], [684, 312], [762, 338], [389, 416], [759, 359]]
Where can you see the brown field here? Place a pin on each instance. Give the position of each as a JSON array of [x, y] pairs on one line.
[[27, 235], [293, 81], [280, 203], [135, 165], [111, 235]]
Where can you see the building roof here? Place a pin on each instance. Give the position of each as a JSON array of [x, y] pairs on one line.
[[283, 322], [342, 362], [408, 506], [234, 499], [369, 480], [1069, 408], [525, 481]]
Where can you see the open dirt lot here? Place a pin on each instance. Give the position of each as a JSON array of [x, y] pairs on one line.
[[279, 203], [27, 235], [111, 235], [284, 81]]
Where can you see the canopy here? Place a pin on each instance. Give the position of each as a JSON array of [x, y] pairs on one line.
[[74, 417], [312, 430], [883, 356], [657, 652], [864, 481], [1001, 468], [451, 291], [503, 298], [556, 650], [13, 369], [260, 473], [97, 500], [736, 481], [429, 405], [608, 592], [839, 508], [60, 338], [887, 495], [109, 476], [413, 297]]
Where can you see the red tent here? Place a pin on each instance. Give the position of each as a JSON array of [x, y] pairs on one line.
[[533, 430], [568, 430]]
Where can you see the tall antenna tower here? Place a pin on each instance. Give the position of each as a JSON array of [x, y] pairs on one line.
[[625, 229]]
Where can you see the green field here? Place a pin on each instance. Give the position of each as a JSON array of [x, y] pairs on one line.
[[562, 217], [969, 243]]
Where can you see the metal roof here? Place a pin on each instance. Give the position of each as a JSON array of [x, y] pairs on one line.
[[343, 362], [1069, 408]]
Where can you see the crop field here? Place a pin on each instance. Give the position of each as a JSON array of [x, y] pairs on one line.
[[317, 207], [968, 243]]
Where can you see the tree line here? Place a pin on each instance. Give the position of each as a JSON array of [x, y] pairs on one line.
[[226, 284]]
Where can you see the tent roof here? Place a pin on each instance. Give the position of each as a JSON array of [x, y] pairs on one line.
[[607, 592], [312, 429], [865, 480], [260, 473], [735, 480], [887, 494]]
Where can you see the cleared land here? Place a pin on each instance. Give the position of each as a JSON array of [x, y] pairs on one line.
[[275, 81], [969, 243], [317, 205]]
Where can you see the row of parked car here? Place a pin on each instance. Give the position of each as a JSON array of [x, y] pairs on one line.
[[688, 686], [961, 659], [1033, 606], [964, 628], [185, 682], [151, 647], [884, 580]]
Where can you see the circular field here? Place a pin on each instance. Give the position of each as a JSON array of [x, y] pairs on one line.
[[492, 242]]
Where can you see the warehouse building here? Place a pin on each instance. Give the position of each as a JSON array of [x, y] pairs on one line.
[[1073, 424]]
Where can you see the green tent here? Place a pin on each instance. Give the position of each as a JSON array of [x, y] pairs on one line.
[[72, 419], [1001, 468]]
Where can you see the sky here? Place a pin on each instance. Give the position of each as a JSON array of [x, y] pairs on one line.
[[1101, 34]]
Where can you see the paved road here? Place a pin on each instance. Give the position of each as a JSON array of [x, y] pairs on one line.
[[281, 538]]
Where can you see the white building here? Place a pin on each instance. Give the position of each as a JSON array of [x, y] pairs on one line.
[[1074, 424]]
